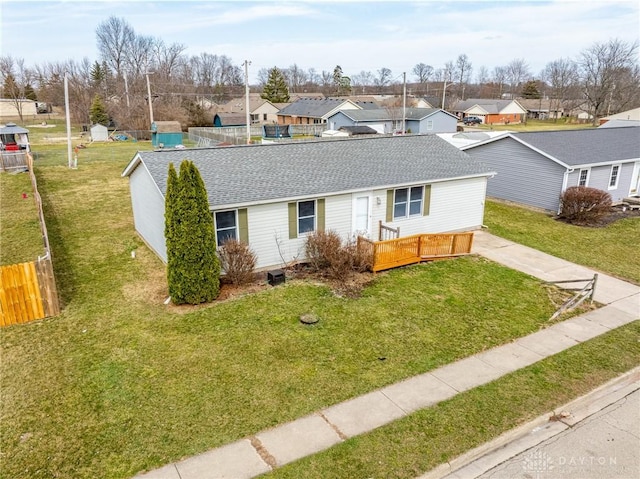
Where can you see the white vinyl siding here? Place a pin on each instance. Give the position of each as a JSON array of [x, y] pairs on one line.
[[614, 176], [269, 230], [148, 210], [583, 177], [456, 205]]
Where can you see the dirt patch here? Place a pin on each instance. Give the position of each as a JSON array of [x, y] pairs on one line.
[[616, 213]]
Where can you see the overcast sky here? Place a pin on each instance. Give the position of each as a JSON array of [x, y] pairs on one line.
[[357, 35]]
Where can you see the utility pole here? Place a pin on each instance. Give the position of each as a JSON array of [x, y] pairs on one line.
[[404, 101], [126, 90], [66, 111], [149, 96], [246, 107]]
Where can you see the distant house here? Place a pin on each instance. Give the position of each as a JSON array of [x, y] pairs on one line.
[[536, 168], [9, 108], [624, 118], [491, 111], [261, 111], [390, 120], [166, 134], [542, 109], [310, 111], [272, 196]]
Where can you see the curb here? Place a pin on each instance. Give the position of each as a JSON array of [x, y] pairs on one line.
[[489, 455]]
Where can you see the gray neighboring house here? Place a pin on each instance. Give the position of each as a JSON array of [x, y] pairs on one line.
[[389, 120], [272, 196], [536, 168]]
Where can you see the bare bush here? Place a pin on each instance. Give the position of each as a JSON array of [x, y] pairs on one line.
[[238, 261], [321, 249], [584, 205], [326, 254]]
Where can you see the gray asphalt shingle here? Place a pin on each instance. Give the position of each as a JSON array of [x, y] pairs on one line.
[[583, 147], [266, 173]]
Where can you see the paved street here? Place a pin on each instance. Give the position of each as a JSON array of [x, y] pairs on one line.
[[603, 446]]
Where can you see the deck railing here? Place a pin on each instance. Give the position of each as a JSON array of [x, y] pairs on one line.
[[416, 248]]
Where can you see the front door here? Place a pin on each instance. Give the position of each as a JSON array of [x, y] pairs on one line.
[[362, 214]]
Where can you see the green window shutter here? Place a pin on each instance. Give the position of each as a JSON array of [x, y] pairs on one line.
[[320, 216], [389, 206], [293, 220], [426, 201], [243, 225]]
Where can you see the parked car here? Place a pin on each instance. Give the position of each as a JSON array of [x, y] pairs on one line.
[[472, 120]]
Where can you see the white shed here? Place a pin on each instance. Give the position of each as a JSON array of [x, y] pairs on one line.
[[99, 132]]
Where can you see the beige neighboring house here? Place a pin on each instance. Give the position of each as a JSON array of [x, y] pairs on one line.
[[261, 111], [8, 108], [624, 116], [542, 109]]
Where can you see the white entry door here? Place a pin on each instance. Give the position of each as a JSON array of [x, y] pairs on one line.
[[362, 214]]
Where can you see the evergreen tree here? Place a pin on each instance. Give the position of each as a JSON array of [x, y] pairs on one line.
[[276, 90], [98, 112], [10, 88], [30, 93], [193, 268], [530, 90]]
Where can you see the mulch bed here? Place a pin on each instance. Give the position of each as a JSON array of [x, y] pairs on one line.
[[617, 213]]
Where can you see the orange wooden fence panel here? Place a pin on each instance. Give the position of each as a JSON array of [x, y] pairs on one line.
[[20, 298]]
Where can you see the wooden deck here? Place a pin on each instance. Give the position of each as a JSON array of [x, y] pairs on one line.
[[415, 249]]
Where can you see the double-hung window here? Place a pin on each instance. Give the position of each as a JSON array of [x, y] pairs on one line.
[[583, 180], [226, 226], [407, 202], [306, 216], [613, 177]]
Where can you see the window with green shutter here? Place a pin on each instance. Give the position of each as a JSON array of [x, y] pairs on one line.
[[306, 216], [231, 224]]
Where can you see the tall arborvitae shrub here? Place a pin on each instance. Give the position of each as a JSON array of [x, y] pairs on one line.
[[193, 268]]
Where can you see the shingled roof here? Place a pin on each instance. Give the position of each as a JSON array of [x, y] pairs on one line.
[[583, 147], [243, 175], [311, 107]]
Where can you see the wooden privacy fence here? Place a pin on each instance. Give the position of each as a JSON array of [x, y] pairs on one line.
[[13, 160], [414, 249], [27, 292]]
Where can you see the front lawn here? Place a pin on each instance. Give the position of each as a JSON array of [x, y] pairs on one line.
[[119, 382], [612, 249]]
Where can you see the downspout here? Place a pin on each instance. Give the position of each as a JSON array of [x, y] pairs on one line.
[[565, 180]]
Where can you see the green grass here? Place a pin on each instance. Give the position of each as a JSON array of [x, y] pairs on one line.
[[612, 249], [119, 383], [418, 443], [20, 235]]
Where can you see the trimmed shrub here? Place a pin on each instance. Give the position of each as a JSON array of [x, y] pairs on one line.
[[238, 261], [193, 268], [584, 205]]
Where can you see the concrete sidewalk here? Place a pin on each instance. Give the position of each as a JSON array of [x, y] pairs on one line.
[[275, 447]]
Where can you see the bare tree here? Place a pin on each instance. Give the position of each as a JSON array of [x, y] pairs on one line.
[[15, 77], [115, 38], [560, 74], [462, 73], [517, 72], [362, 80], [296, 78], [383, 79], [602, 70]]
